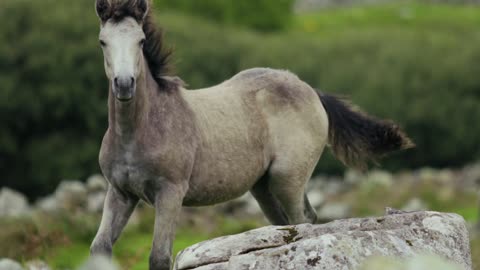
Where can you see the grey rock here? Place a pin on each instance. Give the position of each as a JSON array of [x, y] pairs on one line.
[[378, 178], [334, 187], [48, 204], [341, 244], [316, 198], [96, 183], [251, 205], [244, 205], [427, 174], [13, 204], [332, 211], [37, 265], [7, 264], [445, 176], [471, 176], [99, 263], [414, 204], [74, 195], [353, 177], [327, 185], [95, 202], [71, 195]]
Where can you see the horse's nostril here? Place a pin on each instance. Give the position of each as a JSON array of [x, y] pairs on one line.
[[124, 82]]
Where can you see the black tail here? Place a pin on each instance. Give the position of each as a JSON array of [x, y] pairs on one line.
[[357, 138]]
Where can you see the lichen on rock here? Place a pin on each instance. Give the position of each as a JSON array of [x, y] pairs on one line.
[[341, 244]]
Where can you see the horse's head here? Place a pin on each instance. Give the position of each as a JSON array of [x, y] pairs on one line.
[[122, 39]]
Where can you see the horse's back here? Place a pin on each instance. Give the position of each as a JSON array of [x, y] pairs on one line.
[[280, 93], [295, 116], [283, 88]]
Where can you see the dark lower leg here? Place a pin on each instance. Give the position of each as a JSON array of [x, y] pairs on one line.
[[268, 203]]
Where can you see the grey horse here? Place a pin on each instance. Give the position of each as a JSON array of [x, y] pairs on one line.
[[262, 131]]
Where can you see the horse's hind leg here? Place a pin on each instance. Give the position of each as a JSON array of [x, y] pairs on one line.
[[270, 205], [309, 210], [288, 178]]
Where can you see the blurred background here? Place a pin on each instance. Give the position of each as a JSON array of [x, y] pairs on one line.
[[416, 62]]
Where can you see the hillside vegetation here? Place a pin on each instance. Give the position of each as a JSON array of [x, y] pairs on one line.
[[414, 63]]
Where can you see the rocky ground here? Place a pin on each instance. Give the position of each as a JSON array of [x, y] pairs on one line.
[[341, 244], [76, 204]]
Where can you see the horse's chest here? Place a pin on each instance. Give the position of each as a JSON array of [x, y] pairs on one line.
[[126, 170]]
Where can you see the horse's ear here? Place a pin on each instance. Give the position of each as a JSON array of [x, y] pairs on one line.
[[103, 9], [142, 7]]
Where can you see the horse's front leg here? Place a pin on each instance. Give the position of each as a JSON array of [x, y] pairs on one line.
[[116, 211], [168, 204]]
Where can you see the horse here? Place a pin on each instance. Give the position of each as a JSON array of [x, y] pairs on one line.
[[262, 131]]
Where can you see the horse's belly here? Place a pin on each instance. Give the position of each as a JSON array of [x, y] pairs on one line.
[[219, 192], [223, 182]]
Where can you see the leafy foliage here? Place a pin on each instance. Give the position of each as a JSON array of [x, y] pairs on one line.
[[53, 87], [264, 15], [53, 97]]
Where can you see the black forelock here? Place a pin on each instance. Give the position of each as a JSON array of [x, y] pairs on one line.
[[156, 55]]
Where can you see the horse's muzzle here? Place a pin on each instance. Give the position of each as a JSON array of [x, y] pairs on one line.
[[124, 88]]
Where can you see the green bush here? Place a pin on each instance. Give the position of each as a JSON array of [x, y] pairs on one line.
[[53, 92], [53, 89], [426, 81], [263, 15]]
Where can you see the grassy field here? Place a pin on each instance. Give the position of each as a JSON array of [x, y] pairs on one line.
[[403, 15], [63, 240]]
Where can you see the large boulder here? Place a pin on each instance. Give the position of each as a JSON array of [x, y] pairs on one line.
[[37, 265], [332, 211], [96, 183], [69, 195], [341, 244], [7, 264], [97, 190], [12, 203]]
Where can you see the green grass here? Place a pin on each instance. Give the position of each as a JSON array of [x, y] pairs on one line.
[[68, 257], [407, 14], [371, 200], [132, 250], [475, 249], [63, 240]]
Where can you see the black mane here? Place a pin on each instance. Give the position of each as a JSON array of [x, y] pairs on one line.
[[156, 54]]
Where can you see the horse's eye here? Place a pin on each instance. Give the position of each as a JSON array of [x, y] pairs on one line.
[[142, 42], [102, 43]]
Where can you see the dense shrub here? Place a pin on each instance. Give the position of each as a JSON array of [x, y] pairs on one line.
[[53, 88], [426, 81], [264, 15], [53, 92]]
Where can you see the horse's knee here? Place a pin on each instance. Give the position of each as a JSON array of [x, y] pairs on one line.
[[160, 262]]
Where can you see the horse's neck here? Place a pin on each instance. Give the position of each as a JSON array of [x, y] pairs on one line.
[[151, 108], [126, 118]]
